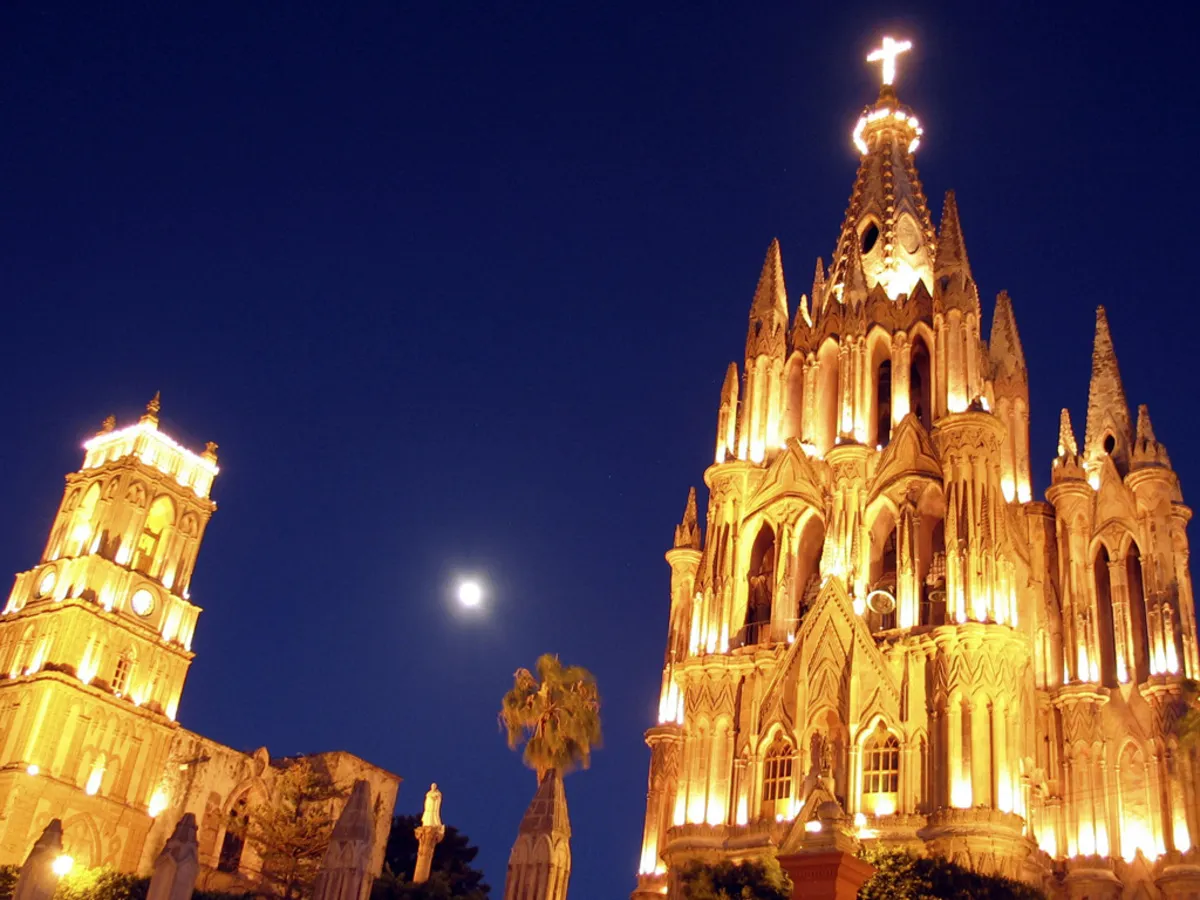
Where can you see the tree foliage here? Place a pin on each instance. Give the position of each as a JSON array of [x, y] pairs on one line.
[[291, 831], [902, 876], [555, 715], [451, 876], [751, 880], [101, 883]]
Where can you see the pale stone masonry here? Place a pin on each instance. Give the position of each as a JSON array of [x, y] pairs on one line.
[[877, 598]]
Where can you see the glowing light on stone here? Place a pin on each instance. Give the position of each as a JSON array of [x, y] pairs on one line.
[[158, 802], [93, 782], [812, 826], [62, 865], [32, 769]]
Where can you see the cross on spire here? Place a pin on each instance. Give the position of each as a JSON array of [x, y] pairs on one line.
[[886, 54]]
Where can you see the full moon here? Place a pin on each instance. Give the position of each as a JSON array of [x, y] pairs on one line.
[[470, 593]]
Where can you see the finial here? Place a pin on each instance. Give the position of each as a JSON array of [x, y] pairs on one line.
[[1066, 436], [886, 54], [109, 423], [687, 532], [152, 408], [210, 451]]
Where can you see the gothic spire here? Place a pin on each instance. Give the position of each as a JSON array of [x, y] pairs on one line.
[[1147, 451], [954, 288], [951, 256], [818, 288], [687, 532], [769, 312], [887, 218], [854, 290], [1004, 348], [1066, 436], [727, 414], [1108, 427]]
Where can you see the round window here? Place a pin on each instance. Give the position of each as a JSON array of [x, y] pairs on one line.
[[142, 602], [46, 582]]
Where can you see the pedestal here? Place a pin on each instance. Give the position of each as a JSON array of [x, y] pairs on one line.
[[832, 875], [428, 837]]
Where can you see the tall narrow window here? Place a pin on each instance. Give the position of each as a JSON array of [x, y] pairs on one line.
[[883, 403], [121, 676], [881, 772], [760, 587], [235, 838], [777, 779], [160, 515], [920, 384]]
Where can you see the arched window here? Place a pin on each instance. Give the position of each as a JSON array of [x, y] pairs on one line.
[[84, 521], [1104, 614], [881, 772], [920, 383], [161, 514], [883, 402], [777, 779], [235, 837], [761, 587], [1137, 614], [120, 679]]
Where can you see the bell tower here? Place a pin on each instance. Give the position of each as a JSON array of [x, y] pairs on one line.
[[95, 639]]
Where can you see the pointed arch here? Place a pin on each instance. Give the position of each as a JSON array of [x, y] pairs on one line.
[[920, 378], [828, 397], [879, 380]]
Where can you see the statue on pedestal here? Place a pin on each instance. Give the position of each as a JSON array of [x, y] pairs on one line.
[[429, 833]]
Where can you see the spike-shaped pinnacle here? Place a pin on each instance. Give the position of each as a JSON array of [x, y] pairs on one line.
[[730, 386], [687, 532], [1066, 436], [1004, 343], [1108, 411], [155, 404], [854, 290], [951, 255], [770, 296], [818, 287], [1145, 430]]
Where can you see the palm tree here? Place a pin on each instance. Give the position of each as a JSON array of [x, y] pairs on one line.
[[555, 715]]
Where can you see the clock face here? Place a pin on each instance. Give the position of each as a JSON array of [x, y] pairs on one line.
[[46, 584], [142, 602]]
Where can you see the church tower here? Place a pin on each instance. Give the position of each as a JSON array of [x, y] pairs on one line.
[[877, 617], [539, 866], [95, 644]]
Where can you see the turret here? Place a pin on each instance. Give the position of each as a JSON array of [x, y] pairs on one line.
[[727, 415], [956, 317], [1109, 433], [766, 350], [1010, 386]]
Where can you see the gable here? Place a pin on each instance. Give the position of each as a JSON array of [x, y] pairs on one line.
[[791, 474], [909, 453]]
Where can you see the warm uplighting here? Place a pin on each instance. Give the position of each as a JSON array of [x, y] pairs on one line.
[[812, 826], [93, 782], [144, 441], [32, 769], [62, 865], [158, 802]]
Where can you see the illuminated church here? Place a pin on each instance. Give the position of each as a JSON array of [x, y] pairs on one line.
[[879, 615], [95, 644]]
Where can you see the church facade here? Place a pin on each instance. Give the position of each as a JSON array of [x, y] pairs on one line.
[[95, 644], [880, 616]]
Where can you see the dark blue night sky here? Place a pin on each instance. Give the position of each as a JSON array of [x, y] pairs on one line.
[[454, 286]]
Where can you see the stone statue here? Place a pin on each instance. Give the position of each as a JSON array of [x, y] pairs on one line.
[[37, 880], [178, 864], [432, 816], [429, 833]]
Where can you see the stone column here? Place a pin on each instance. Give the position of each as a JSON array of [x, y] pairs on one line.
[[38, 880], [1122, 627], [346, 869], [176, 868], [428, 837]]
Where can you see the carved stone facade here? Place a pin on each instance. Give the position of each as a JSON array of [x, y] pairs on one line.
[[876, 595], [95, 644]]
